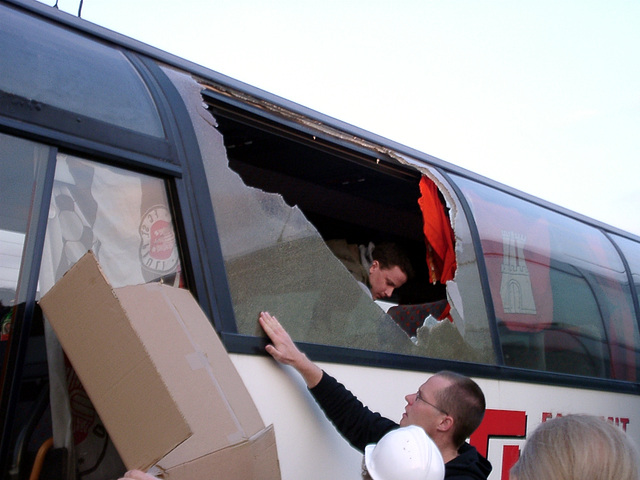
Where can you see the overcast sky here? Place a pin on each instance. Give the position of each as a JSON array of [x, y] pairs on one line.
[[542, 95]]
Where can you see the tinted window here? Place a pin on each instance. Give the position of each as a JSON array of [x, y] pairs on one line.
[[63, 69], [22, 166], [559, 288], [22, 178], [631, 252]]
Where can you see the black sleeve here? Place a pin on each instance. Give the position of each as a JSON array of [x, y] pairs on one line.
[[359, 425]]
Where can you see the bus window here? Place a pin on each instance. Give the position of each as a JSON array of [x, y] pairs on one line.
[[20, 162], [464, 293], [11, 245], [33, 73], [124, 218], [276, 259], [630, 251], [559, 289], [279, 195], [22, 170]]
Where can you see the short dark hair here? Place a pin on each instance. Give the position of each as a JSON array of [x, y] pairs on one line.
[[390, 255], [464, 401]]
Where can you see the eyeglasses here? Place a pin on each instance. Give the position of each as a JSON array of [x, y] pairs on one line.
[[419, 397]]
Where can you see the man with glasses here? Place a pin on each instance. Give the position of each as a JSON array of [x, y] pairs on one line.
[[448, 406]]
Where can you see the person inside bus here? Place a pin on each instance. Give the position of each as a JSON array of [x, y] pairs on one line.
[[448, 406], [379, 269], [577, 447]]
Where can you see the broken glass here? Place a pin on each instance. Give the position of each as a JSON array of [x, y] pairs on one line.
[[277, 261]]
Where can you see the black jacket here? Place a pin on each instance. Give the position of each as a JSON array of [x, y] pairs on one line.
[[468, 465], [361, 427]]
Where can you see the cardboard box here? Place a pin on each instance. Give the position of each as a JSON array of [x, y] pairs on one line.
[[160, 378]]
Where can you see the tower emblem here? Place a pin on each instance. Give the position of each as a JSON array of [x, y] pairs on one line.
[[515, 288]]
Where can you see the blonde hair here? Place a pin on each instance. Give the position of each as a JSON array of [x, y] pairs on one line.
[[578, 447]]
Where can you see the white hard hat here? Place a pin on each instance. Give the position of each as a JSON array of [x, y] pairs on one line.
[[406, 453]]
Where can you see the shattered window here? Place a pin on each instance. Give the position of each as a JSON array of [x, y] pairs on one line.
[[284, 200], [277, 261], [559, 289]]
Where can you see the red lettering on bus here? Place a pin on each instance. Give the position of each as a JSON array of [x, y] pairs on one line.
[[621, 422], [501, 423], [513, 424], [510, 455], [498, 423]]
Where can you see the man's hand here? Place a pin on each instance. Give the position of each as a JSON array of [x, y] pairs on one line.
[[285, 351], [282, 348]]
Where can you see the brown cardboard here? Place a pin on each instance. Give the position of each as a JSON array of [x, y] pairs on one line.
[[256, 459], [159, 377]]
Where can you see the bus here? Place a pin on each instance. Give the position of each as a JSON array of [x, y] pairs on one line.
[[171, 172]]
